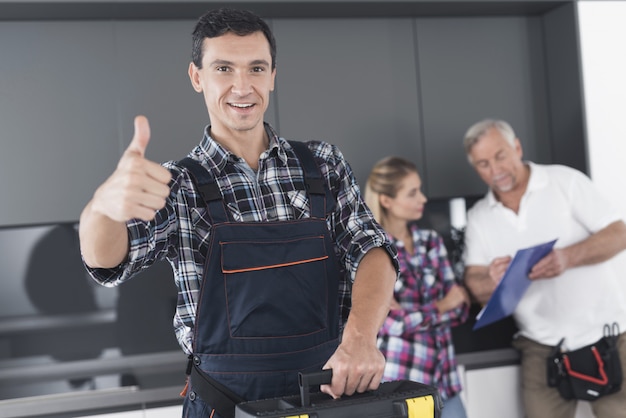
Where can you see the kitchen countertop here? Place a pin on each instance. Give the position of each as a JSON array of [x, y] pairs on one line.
[[132, 397]]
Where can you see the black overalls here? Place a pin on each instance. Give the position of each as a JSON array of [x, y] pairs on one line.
[[268, 305]]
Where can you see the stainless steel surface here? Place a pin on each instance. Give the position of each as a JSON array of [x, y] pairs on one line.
[[489, 358], [134, 398], [144, 363], [70, 404]]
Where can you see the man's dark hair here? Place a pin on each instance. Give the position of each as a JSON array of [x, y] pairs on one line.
[[217, 22]]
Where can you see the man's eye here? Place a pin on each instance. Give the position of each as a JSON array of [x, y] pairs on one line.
[[222, 68], [258, 69]]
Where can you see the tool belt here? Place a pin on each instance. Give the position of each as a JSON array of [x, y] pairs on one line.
[[587, 373]]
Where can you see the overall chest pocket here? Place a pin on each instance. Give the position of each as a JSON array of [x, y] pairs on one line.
[[275, 288]]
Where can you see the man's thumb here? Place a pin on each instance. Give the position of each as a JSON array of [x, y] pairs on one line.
[[141, 137]]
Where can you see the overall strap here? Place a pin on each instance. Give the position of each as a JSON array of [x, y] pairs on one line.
[[316, 187], [208, 189]]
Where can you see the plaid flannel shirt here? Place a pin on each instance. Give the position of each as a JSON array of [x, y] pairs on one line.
[[416, 339], [180, 232]]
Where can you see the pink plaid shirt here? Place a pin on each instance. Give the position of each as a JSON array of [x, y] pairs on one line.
[[417, 340]]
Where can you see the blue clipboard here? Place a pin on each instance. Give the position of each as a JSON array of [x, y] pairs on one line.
[[513, 285]]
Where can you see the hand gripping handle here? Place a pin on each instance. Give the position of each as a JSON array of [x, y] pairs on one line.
[[306, 380]]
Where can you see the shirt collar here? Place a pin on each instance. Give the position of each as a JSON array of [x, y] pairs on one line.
[[538, 179], [412, 228], [277, 144], [217, 156]]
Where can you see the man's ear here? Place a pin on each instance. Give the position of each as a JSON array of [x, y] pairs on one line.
[[194, 76], [273, 79], [518, 148]]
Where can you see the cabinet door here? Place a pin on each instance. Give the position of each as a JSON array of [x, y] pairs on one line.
[[164, 412], [471, 69], [493, 392], [153, 60], [496, 392], [351, 82], [58, 119]]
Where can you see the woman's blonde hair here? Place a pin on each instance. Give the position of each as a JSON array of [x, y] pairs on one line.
[[385, 179]]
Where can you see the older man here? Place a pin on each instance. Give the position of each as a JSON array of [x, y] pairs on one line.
[[575, 291]]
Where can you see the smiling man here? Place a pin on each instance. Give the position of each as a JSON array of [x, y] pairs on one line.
[[575, 290], [280, 266]]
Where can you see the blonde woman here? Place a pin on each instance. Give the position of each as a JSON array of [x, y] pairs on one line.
[[416, 336]]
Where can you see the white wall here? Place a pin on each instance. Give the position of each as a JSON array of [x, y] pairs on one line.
[[603, 42]]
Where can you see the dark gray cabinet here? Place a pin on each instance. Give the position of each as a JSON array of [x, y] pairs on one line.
[[407, 82], [58, 120], [68, 94], [152, 59], [411, 87], [351, 82], [470, 69]]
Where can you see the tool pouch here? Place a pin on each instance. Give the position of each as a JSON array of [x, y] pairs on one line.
[[587, 373]]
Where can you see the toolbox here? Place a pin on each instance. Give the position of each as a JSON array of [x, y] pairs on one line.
[[396, 399]]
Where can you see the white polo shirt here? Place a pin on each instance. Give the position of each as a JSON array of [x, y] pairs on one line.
[[560, 203]]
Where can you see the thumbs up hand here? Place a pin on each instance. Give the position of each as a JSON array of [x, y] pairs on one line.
[[140, 140], [138, 187]]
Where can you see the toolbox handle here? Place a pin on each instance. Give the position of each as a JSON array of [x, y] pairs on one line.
[[306, 380]]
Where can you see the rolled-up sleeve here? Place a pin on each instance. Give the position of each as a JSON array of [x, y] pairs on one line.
[[352, 223]]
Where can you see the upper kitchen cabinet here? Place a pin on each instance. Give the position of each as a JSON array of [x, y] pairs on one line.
[[351, 82], [58, 120], [375, 78], [68, 94], [412, 87], [524, 69], [152, 60], [474, 68]]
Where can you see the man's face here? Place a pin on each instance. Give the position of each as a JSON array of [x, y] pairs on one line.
[[497, 162], [236, 79]]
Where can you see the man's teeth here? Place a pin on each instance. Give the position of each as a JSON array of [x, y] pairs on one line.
[[241, 105]]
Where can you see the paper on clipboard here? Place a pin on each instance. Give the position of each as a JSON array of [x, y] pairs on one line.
[[513, 285]]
